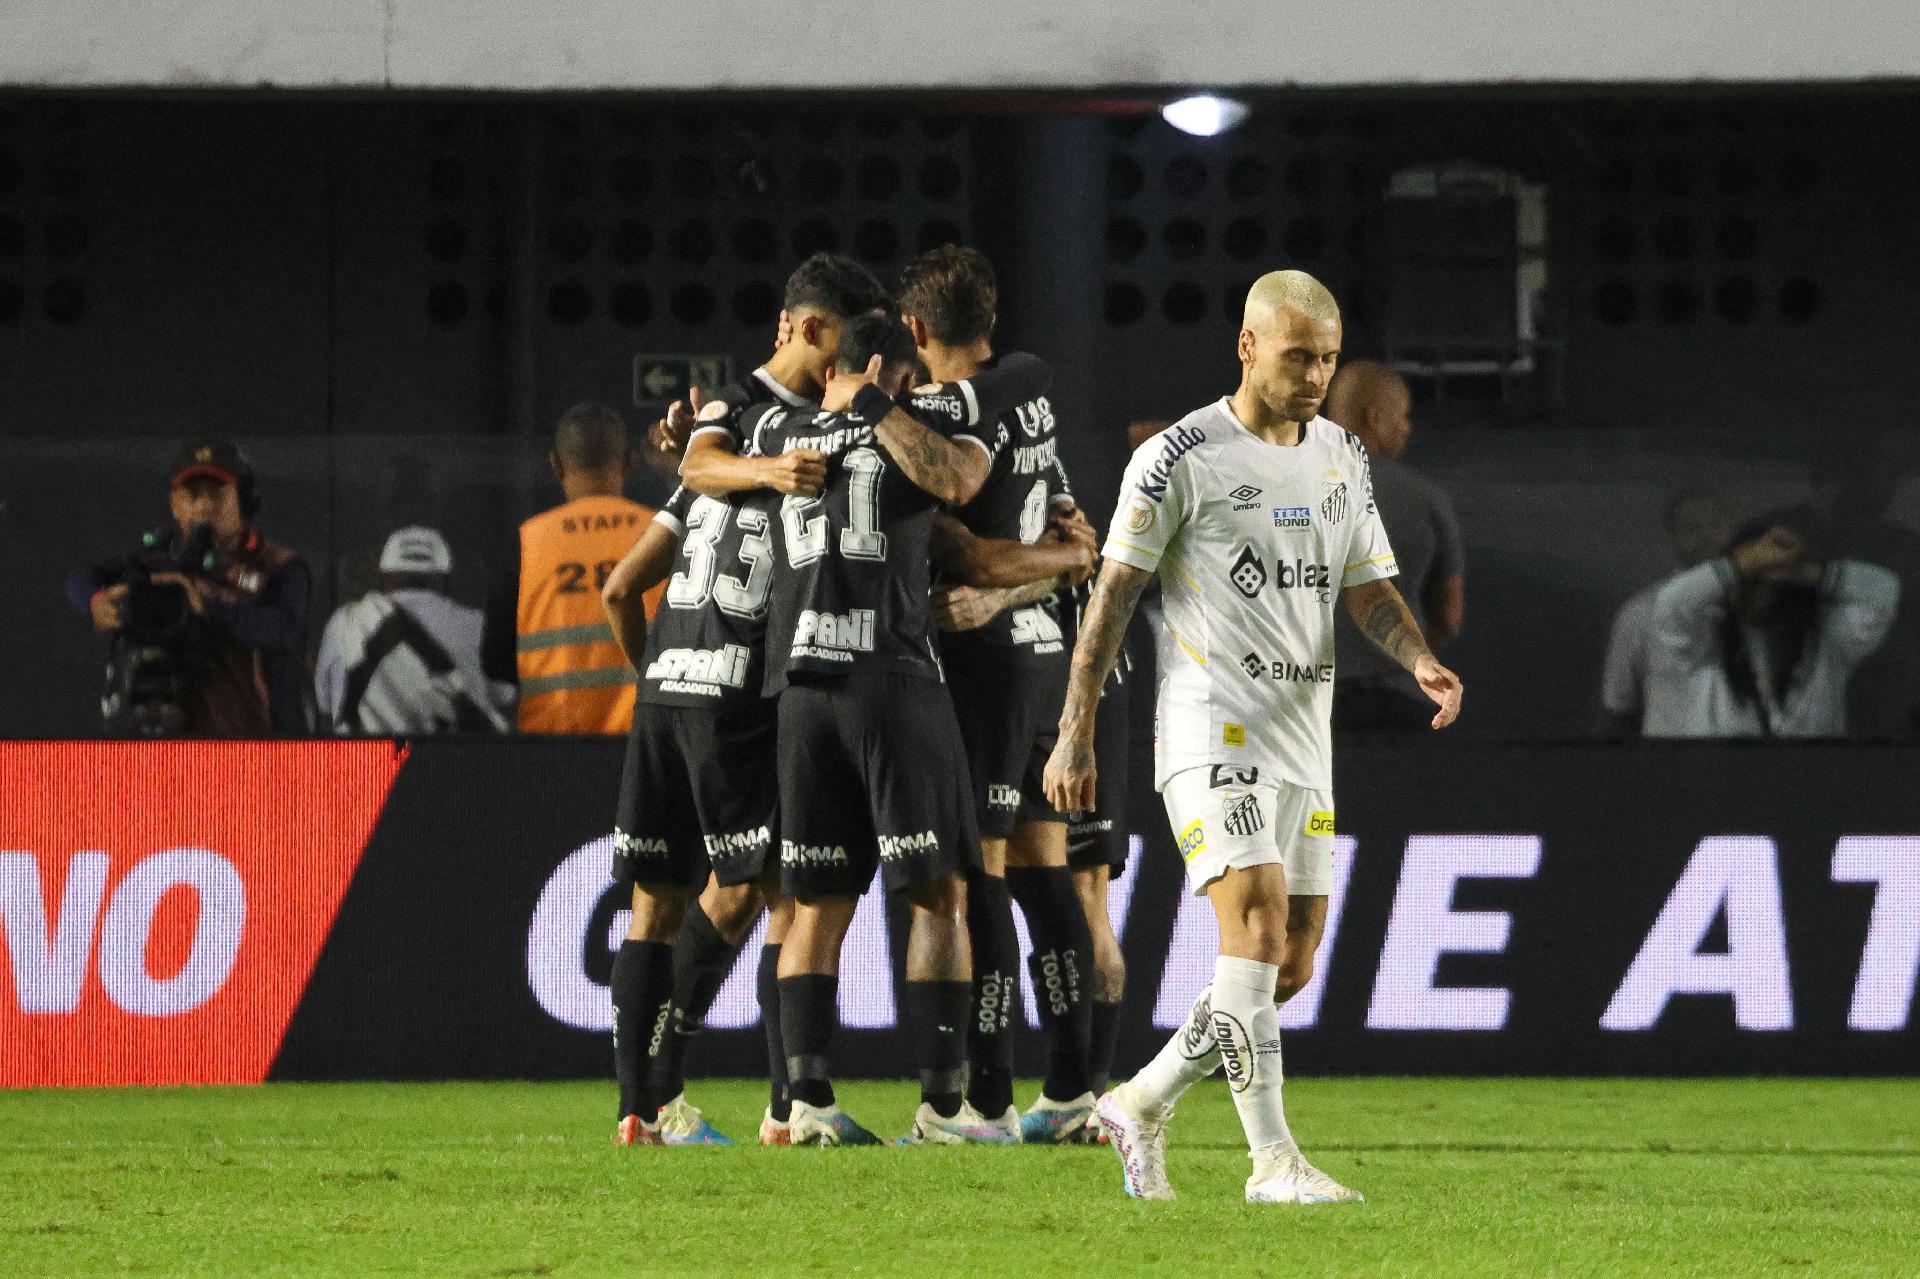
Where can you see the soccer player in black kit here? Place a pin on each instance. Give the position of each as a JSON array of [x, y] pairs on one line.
[[865, 723], [698, 786], [1008, 678]]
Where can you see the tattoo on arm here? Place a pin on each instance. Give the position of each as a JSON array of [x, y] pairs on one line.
[[1103, 629], [943, 467], [1384, 618], [1031, 593]]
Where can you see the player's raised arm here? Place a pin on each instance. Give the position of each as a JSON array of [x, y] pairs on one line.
[[1069, 777], [1383, 617], [961, 556], [714, 466], [950, 469]]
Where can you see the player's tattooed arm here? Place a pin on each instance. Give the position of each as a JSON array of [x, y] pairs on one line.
[[1383, 617], [961, 556], [1069, 780], [951, 470], [624, 596]]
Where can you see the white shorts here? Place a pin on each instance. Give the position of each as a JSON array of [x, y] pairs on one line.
[[1227, 815]]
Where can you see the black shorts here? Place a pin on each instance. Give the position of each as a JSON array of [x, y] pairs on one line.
[[698, 791], [871, 777], [1009, 712], [1099, 837]]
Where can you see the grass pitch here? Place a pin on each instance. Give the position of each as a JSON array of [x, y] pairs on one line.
[[1464, 1177]]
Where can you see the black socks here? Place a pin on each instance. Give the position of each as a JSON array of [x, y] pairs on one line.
[[642, 986], [996, 978], [1062, 967], [1106, 1035], [766, 985], [702, 958], [937, 1012], [809, 1010]]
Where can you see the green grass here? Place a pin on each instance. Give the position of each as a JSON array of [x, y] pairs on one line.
[[1465, 1177]]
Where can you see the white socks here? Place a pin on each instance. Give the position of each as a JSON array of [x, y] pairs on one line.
[[1190, 1056], [1246, 1031]]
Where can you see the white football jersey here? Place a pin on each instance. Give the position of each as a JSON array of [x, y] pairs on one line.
[[1253, 542]]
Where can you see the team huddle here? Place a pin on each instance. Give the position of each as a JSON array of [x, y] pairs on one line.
[[876, 652]]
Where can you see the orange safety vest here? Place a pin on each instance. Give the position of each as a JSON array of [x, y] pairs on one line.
[[573, 676]]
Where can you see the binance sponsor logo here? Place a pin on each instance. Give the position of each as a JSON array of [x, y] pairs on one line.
[[1233, 734], [895, 847], [1293, 672], [1193, 840], [1318, 823], [792, 854]]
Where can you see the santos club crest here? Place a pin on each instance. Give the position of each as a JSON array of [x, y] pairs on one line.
[[1333, 506]]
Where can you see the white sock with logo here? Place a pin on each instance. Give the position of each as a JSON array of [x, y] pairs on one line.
[[1190, 1056], [1246, 1026]]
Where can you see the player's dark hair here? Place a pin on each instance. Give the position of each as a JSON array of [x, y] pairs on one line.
[[591, 437], [835, 284], [952, 291], [869, 335]]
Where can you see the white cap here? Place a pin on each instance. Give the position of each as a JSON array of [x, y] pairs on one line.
[[416, 550]]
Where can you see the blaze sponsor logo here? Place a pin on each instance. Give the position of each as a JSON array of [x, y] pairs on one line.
[[1243, 497], [1244, 816], [836, 636], [1236, 1050], [1318, 823], [1233, 734], [1141, 515], [1248, 574], [1193, 840], [699, 670], [792, 854], [1333, 506], [1001, 795], [1298, 573], [1176, 444], [1292, 517], [734, 843], [895, 847]]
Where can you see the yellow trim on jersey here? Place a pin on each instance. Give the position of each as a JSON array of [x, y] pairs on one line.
[[1191, 650], [1144, 550], [1378, 559]]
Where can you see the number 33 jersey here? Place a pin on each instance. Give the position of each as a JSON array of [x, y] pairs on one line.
[[1253, 543], [705, 644], [850, 591]]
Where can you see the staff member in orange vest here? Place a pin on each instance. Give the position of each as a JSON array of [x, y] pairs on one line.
[[546, 630]]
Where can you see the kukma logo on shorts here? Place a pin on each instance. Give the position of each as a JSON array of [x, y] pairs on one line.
[[1000, 795], [735, 843], [792, 854], [634, 846], [895, 847]]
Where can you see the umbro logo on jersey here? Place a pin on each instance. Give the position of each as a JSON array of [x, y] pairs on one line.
[[1177, 444], [1248, 573], [837, 636], [1243, 497], [1244, 816], [894, 847], [727, 665], [1292, 517], [1334, 505]]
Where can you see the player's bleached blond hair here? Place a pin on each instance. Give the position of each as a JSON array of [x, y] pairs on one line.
[[1279, 290]]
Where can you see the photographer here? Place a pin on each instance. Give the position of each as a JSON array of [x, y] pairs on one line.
[[207, 618]]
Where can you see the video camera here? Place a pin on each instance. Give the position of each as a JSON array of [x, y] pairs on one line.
[[146, 675]]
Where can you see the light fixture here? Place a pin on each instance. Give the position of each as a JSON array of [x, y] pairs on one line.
[[1203, 115]]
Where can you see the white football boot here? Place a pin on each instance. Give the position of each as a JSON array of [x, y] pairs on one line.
[[967, 1128], [1138, 1135], [1282, 1175], [825, 1126]]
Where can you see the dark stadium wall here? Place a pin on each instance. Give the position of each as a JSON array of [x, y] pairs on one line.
[[390, 301], [223, 913]]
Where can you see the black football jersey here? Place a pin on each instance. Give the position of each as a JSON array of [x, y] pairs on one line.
[[723, 413], [851, 586], [1027, 480], [1071, 605], [706, 643]]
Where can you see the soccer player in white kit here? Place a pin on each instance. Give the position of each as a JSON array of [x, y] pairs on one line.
[[1255, 513]]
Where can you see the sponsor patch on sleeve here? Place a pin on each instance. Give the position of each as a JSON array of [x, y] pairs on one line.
[[1319, 823], [1140, 515], [1233, 734], [1193, 840]]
